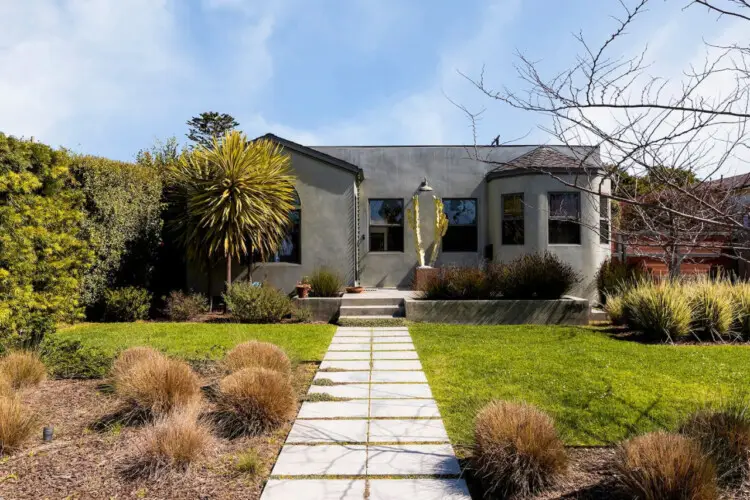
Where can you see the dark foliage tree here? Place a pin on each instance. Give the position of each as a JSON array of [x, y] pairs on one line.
[[208, 126]]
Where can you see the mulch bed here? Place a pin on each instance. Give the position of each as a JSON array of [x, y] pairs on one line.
[[82, 463]]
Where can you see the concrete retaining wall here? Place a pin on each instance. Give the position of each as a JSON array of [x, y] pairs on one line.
[[566, 311], [322, 308]]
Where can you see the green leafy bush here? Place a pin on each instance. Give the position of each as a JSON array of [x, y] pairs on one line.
[[257, 304], [43, 250], [538, 276], [614, 275], [71, 359], [181, 306], [660, 310], [325, 283], [126, 304]]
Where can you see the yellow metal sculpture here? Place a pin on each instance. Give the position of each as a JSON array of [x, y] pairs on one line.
[[441, 226]]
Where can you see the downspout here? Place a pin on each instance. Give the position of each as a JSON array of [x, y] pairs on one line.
[[356, 229]]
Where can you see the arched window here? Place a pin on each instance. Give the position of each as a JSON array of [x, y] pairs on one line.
[[290, 245]]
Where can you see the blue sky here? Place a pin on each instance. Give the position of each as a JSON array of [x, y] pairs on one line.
[[109, 77]]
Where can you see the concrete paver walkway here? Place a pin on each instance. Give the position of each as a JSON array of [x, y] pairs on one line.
[[383, 440]]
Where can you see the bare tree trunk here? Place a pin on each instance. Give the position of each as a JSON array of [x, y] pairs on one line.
[[229, 272], [250, 264], [674, 263]]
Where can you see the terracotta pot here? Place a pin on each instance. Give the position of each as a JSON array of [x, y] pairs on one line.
[[303, 291], [354, 289], [423, 275]]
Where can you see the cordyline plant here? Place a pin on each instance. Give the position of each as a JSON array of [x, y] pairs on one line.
[[236, 198]]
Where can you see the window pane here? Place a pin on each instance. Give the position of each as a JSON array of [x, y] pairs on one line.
[[377, 239], [603, 207], [395, 239], [385, 212], [460, 239], [461, 212], [564, 232], [289, 250], [563, 205], [512, 205], [513, 231], [603, 231]]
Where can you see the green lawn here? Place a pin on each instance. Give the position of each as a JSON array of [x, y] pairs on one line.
[[599, 389], [199, 340]]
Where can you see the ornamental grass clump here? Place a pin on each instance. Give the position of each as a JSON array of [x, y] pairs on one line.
[[325, 283], [457, 283], [252, 401], [661, 311], [541, 276], [128, 358], [662, 466], [517, 450], [174, 441], [724, 435], [254, 354], [16, 423], [158, 385], [615, 308], [712, 308], [740, 294], [6, 388], [22, 369]]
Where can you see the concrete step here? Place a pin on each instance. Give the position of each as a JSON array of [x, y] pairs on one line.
[[371, 321], [371, 310], [371, 301]]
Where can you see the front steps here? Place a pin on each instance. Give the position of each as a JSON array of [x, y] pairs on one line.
[[371, 311]]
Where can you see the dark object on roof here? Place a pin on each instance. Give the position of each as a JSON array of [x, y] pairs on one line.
[[547, 160], [312, 153]]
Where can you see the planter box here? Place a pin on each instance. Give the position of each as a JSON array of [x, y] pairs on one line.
[[566, 311], [322, 308], [422, 275]]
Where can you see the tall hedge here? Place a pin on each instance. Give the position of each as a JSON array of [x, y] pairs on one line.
[[43, 250], [123, 222]]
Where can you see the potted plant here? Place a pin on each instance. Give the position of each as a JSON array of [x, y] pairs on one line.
[[303, 287]]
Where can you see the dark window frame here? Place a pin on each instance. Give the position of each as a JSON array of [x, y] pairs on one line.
[[370, 225], [475, 247], [297, 207], [503, 218], [562, 218], [604, 221]]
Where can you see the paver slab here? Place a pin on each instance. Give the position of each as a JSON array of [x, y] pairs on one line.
[[393, 340], [393, 347], [329, 431], [407, 431], [315, 489], [411, 459], [380, 377], [345, 365], [404, 408], [395, 355], [353, 391], [348, 340], [362, 377], [380, 364], [334, 409], [352, 333], [340, 355], [419, 489], [349, 347], [390, 333], [304, 460], [398, 391]]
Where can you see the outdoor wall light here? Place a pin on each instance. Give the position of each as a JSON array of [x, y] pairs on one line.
[[47, 434], [424, 187]]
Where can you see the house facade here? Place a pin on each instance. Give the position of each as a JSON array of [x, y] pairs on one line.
[[500, 202]]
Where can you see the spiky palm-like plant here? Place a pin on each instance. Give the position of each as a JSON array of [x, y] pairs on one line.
[[237, 198]]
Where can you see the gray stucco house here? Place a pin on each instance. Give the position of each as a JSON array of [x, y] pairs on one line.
[[351, 215]]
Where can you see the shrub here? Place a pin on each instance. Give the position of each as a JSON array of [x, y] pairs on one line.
[[16, 423], [250, 462], [126, 304], [173, 441], [665, 466], [6, 388], [158, 385], [257, 304], [301, 314], [538, 276], [254, 400], [254, 354], [614, 275], [457, 283], [67, 358], [724, 435], [181, 306], [23, 369], [325, 283], [615, 307], [128, 358], [517, 450], [661, 311], [740, 294], [712, 308]]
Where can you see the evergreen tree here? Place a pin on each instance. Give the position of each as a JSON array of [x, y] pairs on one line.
[[208, 126]]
